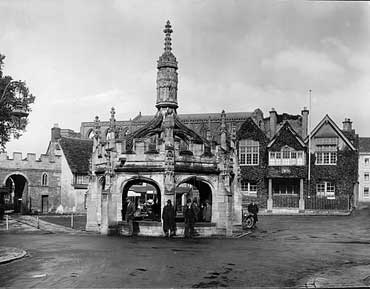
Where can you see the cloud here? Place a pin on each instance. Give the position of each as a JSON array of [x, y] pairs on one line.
[[292, 68]]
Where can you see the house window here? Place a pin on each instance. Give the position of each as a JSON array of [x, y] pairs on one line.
[[44, 179], [81, 179], [326, 151], [325, 189], [366, 192], [366, 161], [249, 188], [286, 157], [248, 152], [366, 177]]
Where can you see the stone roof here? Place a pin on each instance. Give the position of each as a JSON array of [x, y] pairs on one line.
[[78, 153], [199, 116], [364, 144]]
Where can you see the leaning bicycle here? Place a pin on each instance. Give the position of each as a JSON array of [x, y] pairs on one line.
[[248, 221]]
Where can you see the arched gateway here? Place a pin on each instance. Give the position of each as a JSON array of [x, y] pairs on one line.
[[163, 160]]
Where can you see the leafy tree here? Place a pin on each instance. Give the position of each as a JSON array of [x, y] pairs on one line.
[[15, 101]]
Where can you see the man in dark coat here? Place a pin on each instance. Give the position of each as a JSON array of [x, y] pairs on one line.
[[190, 218], [253, 209], [130, 215], [169, 219]]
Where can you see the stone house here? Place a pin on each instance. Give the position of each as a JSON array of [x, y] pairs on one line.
[[364, 169], [57, 182], [30, 184]]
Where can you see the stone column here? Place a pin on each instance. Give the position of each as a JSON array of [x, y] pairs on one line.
[[301, 197], [269, 200], [104, 213], [92, 223]]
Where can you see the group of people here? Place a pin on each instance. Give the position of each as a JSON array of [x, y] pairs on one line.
[[192, 213]]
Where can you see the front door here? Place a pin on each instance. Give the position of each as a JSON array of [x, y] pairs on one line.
[[44, 203]]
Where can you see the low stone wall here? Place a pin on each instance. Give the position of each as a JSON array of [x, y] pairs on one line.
[[154, 229]]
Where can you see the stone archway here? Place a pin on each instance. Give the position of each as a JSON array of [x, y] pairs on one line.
[[146, 195], [194, 187], [17, 197]]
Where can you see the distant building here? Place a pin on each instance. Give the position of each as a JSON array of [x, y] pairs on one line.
[[364, 170], [57, 182]]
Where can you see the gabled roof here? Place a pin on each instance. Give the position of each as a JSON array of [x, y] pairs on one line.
[[78, 153], [286, 128], [249, 129], [338, 131], [364, 144]]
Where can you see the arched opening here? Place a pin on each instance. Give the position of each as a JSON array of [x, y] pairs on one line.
[[16, 198], [197, 189], [146, 196], [91, 134]]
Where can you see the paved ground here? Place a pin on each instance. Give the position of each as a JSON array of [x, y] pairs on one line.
[[284, 251]]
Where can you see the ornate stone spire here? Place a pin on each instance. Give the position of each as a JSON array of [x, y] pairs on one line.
[[167, 74], [112, 120], [167, 40]]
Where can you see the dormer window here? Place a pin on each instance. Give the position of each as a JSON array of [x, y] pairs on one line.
[[286, 157], [248, 152]]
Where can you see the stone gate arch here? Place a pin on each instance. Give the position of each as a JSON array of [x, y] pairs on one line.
[[146, 200]]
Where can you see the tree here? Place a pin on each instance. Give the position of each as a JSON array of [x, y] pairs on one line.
[[15, 101]]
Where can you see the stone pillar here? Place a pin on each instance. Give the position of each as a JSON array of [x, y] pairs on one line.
[[301, 197], [104, 213], [269, 200], [93, 207], [229, 216]]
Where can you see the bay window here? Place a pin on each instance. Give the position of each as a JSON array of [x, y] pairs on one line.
[[286, 157]]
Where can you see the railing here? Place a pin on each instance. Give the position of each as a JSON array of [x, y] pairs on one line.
[[285, 201], [260, 200], [323, 203]]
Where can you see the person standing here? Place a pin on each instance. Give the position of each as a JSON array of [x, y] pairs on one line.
[[207, 212], [189, 218], [130, 215], [169, 219]]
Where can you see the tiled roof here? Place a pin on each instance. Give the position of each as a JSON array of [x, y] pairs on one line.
[[77, 153], [364, 144]]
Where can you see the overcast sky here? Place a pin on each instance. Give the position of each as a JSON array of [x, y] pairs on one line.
[[80, 58]]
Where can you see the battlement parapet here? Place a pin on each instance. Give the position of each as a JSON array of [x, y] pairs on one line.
[[30, 162]]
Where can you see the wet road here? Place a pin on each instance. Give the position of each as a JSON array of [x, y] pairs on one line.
[[283, 251]]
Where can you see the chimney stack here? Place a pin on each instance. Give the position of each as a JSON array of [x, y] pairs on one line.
[[304, 113], [55, 133], [273, 122], [347, 124]]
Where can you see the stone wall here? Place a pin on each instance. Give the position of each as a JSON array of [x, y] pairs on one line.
[[32, 170]]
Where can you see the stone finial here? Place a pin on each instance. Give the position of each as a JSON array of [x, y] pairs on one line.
[[112, 121], [167, 40], [97, 126], [112, 113]]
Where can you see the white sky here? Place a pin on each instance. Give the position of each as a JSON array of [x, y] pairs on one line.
[[80, 58]]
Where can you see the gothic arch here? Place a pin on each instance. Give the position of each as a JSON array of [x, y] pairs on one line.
[[89, 133]]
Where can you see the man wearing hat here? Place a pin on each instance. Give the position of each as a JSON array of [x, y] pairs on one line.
[[169, 219], [130, 215]]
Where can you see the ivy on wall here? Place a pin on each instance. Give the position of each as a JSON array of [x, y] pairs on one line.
[[286, 136], [250, 130], [344, 174]]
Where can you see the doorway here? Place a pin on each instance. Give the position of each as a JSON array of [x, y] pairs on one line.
[[44, 204]]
